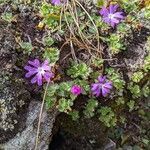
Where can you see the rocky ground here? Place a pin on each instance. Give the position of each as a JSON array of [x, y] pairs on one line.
[[20, 102]]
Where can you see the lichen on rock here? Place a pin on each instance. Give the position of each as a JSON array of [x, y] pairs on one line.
[[19, 112], [13, 94]]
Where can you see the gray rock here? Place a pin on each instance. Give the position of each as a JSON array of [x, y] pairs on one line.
[[110, 145], [14, 98], [26, 139], [19, 113]]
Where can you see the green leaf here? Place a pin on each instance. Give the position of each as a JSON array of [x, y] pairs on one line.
[[120, 101], [90, 108], [145, 141], [48, 41], [27, 47], [50, 102], [65, 105], [74, 115], [80, 70], [137, 76], [135, 90], [52, 89], [131, 105], [51, 54], [7, 16], [107, 116]]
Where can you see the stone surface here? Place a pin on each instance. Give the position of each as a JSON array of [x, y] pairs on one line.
[[14, 98], [26, 139], [19, 112]]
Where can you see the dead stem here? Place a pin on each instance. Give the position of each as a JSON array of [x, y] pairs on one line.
[[40, 117], [76, 20], [69, 26], [72, 51], [92, 23], [61, 13]]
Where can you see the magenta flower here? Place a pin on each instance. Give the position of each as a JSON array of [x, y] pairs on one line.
[[111, 16], [76, 90], [102, 87], [39, 71]]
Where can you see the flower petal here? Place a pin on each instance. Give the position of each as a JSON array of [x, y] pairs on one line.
[[108, 85], [96, 89], [29, 68], [119, 15], [104, 11], [46, 66], [105, 91], [95, 86], [101, 79], [56, 2], [114, 20], [46, 62], [39, 79], [30, 73], [48, 75], [107, 20], [113, 24], [34, 80], [35, 63], [97, 93], [113, 8]]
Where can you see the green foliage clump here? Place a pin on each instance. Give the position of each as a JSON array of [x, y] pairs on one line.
[[74, 115], [147, 45], [120, 101], [51, 97], [135, 90], [60, 93], [51, 54], [123, 29], [96, 62], [131, 105], [146, 66], [137, 76], [7, 16], [117, 80], [50, 14], [145, 12], [65, 105], [64, 89], [129, 6], [48, 41], [80, 70], [146, 90], [107, 116], [90, 108], [27, 47], [115, 44]]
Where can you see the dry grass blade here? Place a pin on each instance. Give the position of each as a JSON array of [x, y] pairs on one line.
[[98, 41], [40, 117]]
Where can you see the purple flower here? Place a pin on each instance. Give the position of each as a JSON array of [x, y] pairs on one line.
[[56, 2], [111, 16], [39, 71], [102, 87], [76, 90]]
